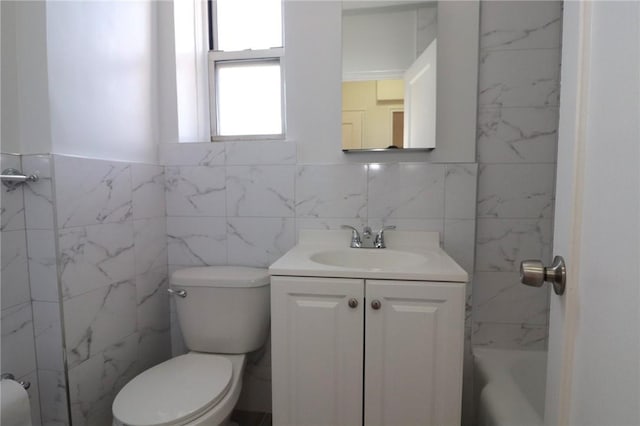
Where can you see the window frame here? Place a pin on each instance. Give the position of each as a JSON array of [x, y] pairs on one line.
[[273, 54]]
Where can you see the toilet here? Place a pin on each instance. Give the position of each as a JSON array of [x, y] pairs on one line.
[[223, 313]]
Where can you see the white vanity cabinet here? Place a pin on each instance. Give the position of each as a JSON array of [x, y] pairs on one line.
[[350, 351]]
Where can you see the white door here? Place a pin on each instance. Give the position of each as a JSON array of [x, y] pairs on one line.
[[593, 375], [413, 353], [316, 343], [420, 100]]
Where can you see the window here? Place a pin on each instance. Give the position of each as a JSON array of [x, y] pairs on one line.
[[245, 68]]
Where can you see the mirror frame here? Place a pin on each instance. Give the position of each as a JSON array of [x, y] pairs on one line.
[[457, 84]]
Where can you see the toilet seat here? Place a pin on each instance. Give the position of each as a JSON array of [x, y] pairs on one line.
[[175, 392]]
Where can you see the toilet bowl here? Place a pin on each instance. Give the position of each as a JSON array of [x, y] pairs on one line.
[[192, 390], [223, 313]]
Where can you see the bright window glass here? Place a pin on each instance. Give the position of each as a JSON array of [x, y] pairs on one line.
[[249, 98], [248, 24]]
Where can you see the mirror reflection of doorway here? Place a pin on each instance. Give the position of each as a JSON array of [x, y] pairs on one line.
[[397, 129]]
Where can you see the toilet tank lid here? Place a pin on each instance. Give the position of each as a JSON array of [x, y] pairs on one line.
[[221, 276]]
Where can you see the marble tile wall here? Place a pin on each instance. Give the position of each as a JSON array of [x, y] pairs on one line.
[[517, 137], [243, 203], [112, 244], [20, 319], [43, 274]]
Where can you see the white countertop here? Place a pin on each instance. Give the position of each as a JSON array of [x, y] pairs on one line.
[[438, 265]]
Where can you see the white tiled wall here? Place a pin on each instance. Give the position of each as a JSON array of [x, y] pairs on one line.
[[25, 323], [111, 232], [43, 276], [242, 203], [107, 226], [517, 137]]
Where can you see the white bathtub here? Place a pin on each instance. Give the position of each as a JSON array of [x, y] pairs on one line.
[[509, 387]]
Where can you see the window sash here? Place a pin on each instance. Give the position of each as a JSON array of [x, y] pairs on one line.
[[213, 27], [263, 55]]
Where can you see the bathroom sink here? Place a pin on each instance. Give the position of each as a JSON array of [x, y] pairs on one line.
[[368, 258], [410, 255]]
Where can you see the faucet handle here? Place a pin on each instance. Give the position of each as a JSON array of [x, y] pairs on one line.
[[355, 236], [379, 241]]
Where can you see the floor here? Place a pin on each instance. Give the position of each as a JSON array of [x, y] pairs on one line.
[[248, 418]]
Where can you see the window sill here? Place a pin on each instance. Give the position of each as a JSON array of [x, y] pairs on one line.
[[280, 137]]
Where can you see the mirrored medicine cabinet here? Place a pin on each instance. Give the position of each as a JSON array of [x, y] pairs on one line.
[[389, 70]]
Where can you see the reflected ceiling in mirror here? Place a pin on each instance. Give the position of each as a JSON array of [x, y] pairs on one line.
[[389, 51]]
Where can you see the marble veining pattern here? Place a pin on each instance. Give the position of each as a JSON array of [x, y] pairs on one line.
[[12, 209], [38, 196], [331, 191], [14, 268], [500, 298], [195, 191], [149, 244], [148, 185], [517, 135], [516, 190], [519, 78], [152, 300], [459, 236], [112, 262], [408, 191], [103, 195], [521, 25], [510, 336], [259, 241], [460, 186], [11, 203], [43, 272], [53, 398], [96, 256], [48, 335], [18, 349], [94, 383], [99, 319], [503, 243], [260, 191], [517, 142], [197, 241]]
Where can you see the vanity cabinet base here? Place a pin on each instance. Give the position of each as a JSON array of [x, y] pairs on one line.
[[374, 352]]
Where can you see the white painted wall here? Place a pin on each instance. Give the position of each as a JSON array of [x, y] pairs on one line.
[[102, 79], [25, 106], [168, 101], [10, 135]]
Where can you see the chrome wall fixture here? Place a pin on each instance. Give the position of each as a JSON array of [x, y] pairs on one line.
[[8, 376], [12, 178]]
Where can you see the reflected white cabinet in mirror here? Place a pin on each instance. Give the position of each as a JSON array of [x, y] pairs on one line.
[[389, 57]]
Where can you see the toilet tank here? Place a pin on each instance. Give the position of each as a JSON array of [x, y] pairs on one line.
[[225, 309]]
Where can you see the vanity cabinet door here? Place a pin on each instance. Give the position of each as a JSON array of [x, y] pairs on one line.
[[317, 346], [413, 353]]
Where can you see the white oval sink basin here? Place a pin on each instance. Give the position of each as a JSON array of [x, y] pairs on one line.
[[368, 258]]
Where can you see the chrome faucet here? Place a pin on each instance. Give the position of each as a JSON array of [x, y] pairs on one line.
[[365, 241], [356, 242], [379, 240]]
